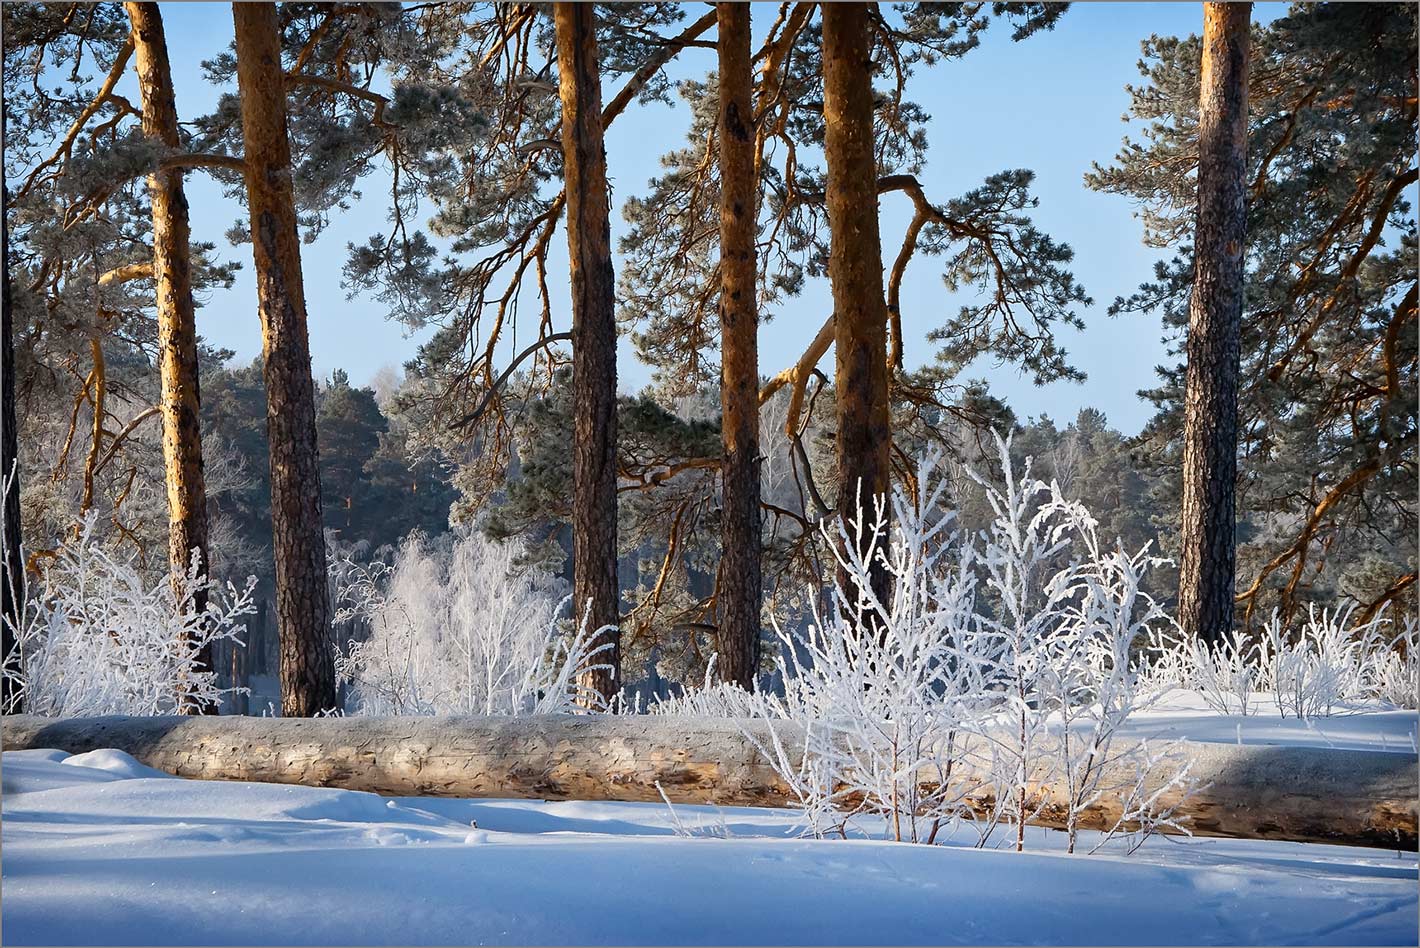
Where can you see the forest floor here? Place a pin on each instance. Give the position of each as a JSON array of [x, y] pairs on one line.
[[98, 849]]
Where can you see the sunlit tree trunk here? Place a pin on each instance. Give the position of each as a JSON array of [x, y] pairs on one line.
[[298, 541], [594, 586], [1210, 438], [740, 580], [177, 329], [855, 270]]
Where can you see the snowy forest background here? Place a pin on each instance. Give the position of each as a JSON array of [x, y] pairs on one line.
[[1326, 489]]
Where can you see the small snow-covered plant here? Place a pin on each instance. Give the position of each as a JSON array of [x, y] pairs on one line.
[[1332, 663], [97, 637], [1226, 675], [1324, 666], [460, 627], [1393, 675], [719, 829], [1021, 547], [1146, 808], [889, 690], [712, 699], [879, 698], [1096, 684]]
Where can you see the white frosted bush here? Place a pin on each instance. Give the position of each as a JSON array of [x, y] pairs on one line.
[[942, 697], [1096, 684], [1226, 675], [97, 637], [1393, 676], [458, 627], [1329, 664]]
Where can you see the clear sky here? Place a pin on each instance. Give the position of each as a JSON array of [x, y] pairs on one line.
[[1052, 103]]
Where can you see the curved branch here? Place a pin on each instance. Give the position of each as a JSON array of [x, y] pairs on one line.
[[798, 375], [1394, 592], [66, 146], [123, 434], [335, 85], [132, 271], [472, 417]]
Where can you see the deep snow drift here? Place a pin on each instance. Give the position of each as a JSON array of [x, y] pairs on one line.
[[99, 849]]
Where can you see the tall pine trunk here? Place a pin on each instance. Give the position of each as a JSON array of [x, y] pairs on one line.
[[177, 329], [1210, 435], [594, 586], [302, 608], [740, 579], [855, 270], [12, 569]]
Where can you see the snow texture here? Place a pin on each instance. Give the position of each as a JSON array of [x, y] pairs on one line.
[[99, 851]]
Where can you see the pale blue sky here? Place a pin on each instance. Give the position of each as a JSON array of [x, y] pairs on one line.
[[1052, 103]]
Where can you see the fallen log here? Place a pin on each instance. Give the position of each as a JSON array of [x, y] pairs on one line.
[[1362, 798]]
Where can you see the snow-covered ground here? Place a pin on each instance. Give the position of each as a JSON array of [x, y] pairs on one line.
[[98, 849], [1180, 713]]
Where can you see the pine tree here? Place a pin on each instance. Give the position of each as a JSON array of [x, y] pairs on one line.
[[671, 265], [1210, 435], [177, 330], [307, 663], [855, 270], [1327, 386], [739, 575], [349, 424], [594, 584]]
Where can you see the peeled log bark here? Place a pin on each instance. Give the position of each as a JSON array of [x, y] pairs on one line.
[[1360, 798]]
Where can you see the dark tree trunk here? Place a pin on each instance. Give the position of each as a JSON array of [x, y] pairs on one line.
[[1206, 575], [594, 586], [740, 580], [12, 569], [855, 269], [302, 608], [177, 328]]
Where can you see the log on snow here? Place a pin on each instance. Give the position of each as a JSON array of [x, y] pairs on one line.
[[1365, 798]]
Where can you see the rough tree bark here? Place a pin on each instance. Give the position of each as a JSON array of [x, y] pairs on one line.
[[177, 327], [1310, 794], [594, 587], [855, 270], [740, 579], [302, 608], [12, 568], [1207, 571]]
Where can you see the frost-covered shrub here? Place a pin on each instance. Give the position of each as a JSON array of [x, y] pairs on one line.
[[1327, 665], [990, 671], [1098, 681], [459, 627], [1394, 675], [1226, 675], [97, 637], [869, 710], [1330, 664]]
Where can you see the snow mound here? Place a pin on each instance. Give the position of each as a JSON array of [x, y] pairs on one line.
[[38, 753], [115, 762]]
